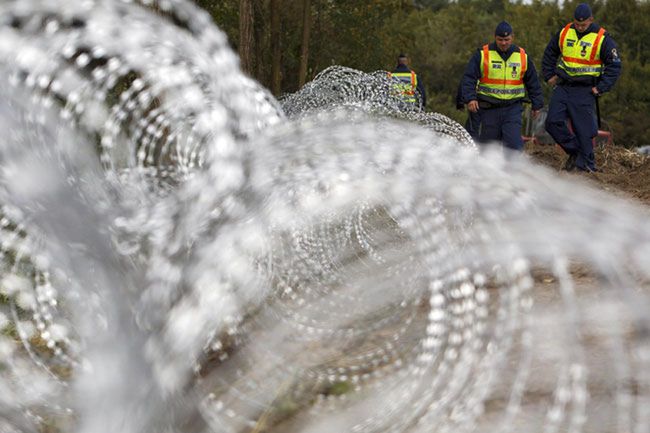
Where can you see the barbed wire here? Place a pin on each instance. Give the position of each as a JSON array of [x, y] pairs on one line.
[[182, 252]]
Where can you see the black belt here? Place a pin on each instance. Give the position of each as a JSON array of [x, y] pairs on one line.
[[486, 105], [575, 84]]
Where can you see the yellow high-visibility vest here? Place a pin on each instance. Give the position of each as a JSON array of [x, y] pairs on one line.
[[581, 57], [502, 79], [408, 82]]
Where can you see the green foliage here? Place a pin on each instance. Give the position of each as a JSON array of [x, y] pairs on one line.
[[339, 388], [440, 36], [225, 14], [626, 109], [10, 331], [434, 5], [4, 299]]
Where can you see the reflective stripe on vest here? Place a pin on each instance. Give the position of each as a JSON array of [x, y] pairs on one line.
[[581, 56], [406, 86], [502, 80]]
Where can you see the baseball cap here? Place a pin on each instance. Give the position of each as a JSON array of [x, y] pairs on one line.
[[503, 29], [583, 12]]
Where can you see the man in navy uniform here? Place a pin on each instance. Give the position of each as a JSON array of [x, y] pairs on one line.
[[581, 62], [409, 86], [496, 81]]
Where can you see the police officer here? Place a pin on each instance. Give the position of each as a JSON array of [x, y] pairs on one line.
[[581, 62], [495, 82], [408, 85]]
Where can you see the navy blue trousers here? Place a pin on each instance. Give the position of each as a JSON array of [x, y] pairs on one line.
[[503, 124], [577, 104]]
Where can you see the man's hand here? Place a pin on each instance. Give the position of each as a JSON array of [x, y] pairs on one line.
[[553, 81], [595, 91], [472, 106]]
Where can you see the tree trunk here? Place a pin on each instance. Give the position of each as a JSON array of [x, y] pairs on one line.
[[304, 52], [276, 51], [246, 35]]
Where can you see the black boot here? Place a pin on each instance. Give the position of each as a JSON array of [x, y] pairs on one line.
[[570, 163]]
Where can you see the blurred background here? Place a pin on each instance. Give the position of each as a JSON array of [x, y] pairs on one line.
[[285, 43]]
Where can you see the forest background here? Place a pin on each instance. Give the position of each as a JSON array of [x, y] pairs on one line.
[[285, 43]]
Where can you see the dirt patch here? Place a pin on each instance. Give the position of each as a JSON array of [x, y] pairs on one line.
[[621, 169]]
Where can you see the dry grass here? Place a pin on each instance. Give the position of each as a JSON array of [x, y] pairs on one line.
[[622, 169]]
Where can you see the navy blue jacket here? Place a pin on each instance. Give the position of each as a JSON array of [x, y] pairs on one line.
[[420, 88], [473, 74], [608, 54]]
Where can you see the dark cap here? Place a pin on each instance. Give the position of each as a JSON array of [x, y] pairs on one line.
[[583, 12], [503, 29], [402, 56]]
